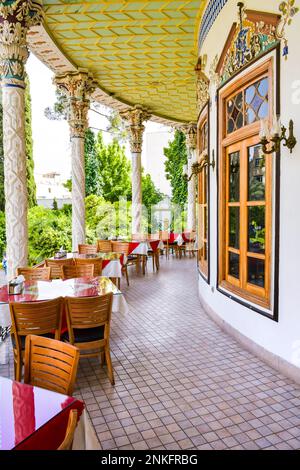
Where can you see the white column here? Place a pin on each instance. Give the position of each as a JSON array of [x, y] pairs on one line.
[[78, 192], [77, 86], [191, 217], [135, 118], [15, 20], [191, 144], [136, 192]]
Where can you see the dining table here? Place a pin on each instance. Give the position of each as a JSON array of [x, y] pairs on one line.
[[35, 291], [33, 418], [112, 262]]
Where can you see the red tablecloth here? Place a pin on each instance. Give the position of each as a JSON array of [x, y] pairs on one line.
[[32, 418]]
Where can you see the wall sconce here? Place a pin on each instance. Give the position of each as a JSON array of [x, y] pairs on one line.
[[198, 167], [278, 135]]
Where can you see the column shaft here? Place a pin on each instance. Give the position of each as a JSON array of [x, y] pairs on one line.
[[191, 219], [78, 192], [15, 178], [16, 17], [134, 118], [77, 87], [136, 193]]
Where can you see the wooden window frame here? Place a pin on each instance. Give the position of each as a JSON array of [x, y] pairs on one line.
[[246, 136], [203, 179]]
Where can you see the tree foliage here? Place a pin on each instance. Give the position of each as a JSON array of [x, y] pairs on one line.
[[176, 158], [93, 181], [115, 170]]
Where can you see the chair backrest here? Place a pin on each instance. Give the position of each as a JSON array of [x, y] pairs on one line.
[[35, 274], [69, 436], [139, 236], [104, 246], [87, 249], [89, 312], [84, 270], [50, 364], [154, 236], [164, 235], [97, 263], [36, 318], [56, 265], [120, 247]]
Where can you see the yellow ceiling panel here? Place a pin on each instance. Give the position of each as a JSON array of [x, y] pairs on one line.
[[142, 51]]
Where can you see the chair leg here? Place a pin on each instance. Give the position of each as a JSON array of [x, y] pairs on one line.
[[109, 366], [102, 358], [153, 261], [126, 274], [157, 260], [18, 369]]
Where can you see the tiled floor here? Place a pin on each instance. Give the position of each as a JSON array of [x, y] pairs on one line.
[[181, 383]]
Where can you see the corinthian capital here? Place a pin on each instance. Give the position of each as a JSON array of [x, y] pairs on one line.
[[77, 87], [190, 131], [134, 119], [16, 17]]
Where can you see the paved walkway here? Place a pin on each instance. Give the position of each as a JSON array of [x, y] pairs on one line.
[[181, 383]]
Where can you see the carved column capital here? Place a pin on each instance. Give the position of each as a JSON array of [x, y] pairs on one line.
[[134, 118], [190, 131], [16, 17], [77, 87]]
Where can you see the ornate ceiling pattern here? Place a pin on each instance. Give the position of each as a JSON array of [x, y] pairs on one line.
[[140, 52]]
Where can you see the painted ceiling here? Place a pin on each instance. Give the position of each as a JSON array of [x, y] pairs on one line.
[[140, 52]]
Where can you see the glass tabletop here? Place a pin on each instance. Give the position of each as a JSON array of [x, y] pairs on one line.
[[24, 409], [46, 290]]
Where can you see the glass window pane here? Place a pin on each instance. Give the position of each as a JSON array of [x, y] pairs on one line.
[[257, 101], [256, 174], [234, 177], [234, 227], [256, 272], [235, 114], [234, 265], [256, 229]]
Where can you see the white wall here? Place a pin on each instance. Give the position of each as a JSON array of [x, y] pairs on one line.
[[282, 338]]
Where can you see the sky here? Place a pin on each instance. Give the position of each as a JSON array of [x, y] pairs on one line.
[[51, 147]]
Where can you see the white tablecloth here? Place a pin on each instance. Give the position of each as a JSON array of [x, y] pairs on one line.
[[144, 247], [85, 437], [112, 269]]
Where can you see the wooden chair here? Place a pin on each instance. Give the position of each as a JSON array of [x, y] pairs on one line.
[[97, 263], [39, 318], [123, 247], [56, 265], [139, 236], [50, 364], [104, 246], [69, 436], [87, 249], [164, 236], [72, 272], [35, 274], [88, 320]]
